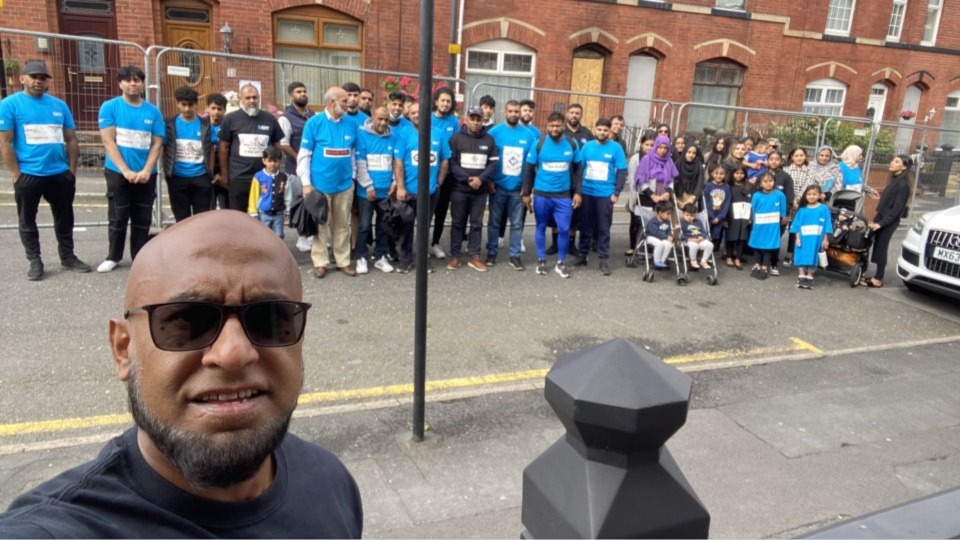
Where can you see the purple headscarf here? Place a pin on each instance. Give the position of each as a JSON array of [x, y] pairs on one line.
[[661, 170]]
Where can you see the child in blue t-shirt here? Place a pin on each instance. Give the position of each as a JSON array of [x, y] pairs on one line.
[[769, 207], [812, 223], [660, 234], [272, 184], [756, 160]]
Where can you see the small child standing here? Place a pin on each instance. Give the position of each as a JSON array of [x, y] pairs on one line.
[[693, 233], [659, 234], [769, 211], [812, 223], [739, 218], [717, 194], [756, 160], [272, 185]]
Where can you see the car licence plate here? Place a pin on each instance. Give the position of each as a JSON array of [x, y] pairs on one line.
[[946, 255]]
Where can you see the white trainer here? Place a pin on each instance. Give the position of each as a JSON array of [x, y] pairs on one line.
[[382, 264], [437, 252], [107, 266], [362, 266], [304, 243], [523, 247]]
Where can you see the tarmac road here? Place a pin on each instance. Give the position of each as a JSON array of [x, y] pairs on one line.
[[488, 333]]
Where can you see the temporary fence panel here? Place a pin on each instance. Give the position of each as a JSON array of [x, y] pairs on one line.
[[595, 106]]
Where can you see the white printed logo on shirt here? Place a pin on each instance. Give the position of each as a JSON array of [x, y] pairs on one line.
[[741, 210], [379, 162], [767, 218], [134, 139], [597, 171], [473, 161], [189, 151], [810, 230], [252, 145], [415, 158], [43, 133], [512, 160], [556, 166]]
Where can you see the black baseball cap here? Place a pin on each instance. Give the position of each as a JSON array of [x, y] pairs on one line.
[[34, 67]]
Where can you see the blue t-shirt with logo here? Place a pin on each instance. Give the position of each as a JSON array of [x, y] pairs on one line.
[[189, 162], [135, 129], [333, 145], [448, 125], [377, 151], [513, 145], [358, 119], [553, 164], [215, 134], [407, 149], [38, 125], [600, 165], [768, 209]]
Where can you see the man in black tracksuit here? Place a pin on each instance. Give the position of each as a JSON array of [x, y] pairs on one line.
[[473, 161]]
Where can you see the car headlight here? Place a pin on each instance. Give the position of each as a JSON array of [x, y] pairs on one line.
[[919, 225]]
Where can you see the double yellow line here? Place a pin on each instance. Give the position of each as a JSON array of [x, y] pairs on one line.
[[446, 385]]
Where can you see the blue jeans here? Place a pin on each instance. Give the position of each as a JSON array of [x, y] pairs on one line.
[[561, 210], [274, 222], [509, 202]]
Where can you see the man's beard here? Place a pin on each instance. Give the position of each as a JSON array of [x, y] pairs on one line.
[[513, 122], [251, 111], [209, 461], [574, 123], [302, 102]]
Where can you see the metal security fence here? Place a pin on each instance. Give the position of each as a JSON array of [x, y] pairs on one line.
[[640, 114]]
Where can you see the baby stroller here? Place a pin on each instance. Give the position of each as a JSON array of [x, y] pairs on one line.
[[712, 277], [645, 250], [848, 251]]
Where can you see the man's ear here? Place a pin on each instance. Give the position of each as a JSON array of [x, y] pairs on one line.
[[120, 348]]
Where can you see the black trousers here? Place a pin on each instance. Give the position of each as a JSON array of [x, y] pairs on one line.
[[464, 206], [58, 190], [596, 218], [238, 192], [443, 204], [220, 197], [410, 229], [128, 204], [881, 245], [189, 195]]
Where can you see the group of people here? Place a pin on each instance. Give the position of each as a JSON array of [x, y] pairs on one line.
[[362, 158]]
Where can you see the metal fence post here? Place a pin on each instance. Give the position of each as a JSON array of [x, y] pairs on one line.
[[611, 476]]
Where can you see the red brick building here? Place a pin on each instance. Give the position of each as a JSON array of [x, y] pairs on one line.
[[840, 57]]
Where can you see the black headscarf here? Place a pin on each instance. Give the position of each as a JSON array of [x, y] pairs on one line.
[[689, 171]]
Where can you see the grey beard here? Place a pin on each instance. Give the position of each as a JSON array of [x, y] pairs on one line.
[[250, 111], [208, 461]]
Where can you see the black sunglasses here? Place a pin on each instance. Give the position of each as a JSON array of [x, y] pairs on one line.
[[190, 326]]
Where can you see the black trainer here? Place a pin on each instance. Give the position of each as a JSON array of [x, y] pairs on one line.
[[36, 270], [516, 264], [542, 267], [604, 268], [404, 268], [581, 260], [76, 265], [491, 260], [561, 270]]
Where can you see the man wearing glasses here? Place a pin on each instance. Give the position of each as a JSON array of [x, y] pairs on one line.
[[213, 364], [38, 142]]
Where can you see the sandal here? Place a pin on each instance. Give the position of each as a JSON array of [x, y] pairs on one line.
[[871, 283], [729, 262], [738, 265], [694, 265], [705, 265]]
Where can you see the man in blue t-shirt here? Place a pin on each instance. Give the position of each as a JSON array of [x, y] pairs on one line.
[[38, 142], [406, 173], [132, 132], [552, 174], [447, 123], [604, 174], [187, 157], [325, 163], [375, 176], [513, 142]]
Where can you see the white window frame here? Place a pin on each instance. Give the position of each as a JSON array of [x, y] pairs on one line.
[[932, 5], [825, 86], [849, 21], [897, 17], [500, 69], [741, 7], [951, 111]]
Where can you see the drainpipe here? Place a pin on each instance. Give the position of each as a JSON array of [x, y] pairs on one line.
[[459, 41]]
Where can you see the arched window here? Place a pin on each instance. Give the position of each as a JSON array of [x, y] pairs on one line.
[[716, 82], [501, 61], [825, 97], [318, 35]]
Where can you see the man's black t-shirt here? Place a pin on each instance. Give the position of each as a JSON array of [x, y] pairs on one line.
[[582, 135], [118, 495], [248, 136]]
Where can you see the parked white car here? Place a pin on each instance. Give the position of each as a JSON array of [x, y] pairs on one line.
[[930, 254]]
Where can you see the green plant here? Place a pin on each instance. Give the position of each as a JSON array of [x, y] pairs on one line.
[[839, 135], [11, 66]]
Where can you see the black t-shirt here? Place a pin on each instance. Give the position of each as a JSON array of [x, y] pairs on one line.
[[248, 136], [118, 495], [582, 135]]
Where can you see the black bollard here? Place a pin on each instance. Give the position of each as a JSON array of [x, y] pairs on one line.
[[610, 476]]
